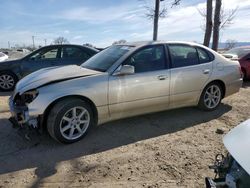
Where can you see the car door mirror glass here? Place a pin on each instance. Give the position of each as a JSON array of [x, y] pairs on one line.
[[125, 70]]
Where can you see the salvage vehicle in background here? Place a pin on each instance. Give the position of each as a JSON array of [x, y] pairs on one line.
[[122, 81], [3, 57], [48, 56], [241, 54], [233, 170]]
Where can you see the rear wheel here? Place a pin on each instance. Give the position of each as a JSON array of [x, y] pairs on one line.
[[211, 97], [69, 120], [8, 81]]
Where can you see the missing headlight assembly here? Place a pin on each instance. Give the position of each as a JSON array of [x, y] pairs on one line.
[[19, 108]]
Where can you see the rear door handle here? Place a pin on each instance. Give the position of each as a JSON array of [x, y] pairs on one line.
[[206, 71], [162, 77]]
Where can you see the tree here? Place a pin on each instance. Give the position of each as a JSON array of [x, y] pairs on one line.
[[89, 45], [220, 20], [230, 44], [209, 23], [60, 40], [217, 23], [122, 41], [156, 13]]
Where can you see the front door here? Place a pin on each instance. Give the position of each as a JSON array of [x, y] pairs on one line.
[[147, 90], [72, 55], [46, 57]]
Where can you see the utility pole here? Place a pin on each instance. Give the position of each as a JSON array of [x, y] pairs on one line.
[[33, 40], [45, 42], [9, 44], [156, 18]]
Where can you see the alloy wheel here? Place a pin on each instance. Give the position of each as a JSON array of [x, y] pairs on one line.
[[6, 81], [74, 123], [212, 96]]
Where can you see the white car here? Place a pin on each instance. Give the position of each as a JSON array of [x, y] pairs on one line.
[[3, 57]]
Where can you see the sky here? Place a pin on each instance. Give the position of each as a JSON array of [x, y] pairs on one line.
[[101, 22]]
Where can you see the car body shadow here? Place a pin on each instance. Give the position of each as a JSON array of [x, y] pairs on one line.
[[4, 94], [44, 154]]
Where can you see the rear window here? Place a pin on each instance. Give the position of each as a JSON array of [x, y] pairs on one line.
[[183, 55], [204, 55]]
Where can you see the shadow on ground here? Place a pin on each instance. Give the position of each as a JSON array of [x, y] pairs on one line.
[[246, 84], [43, 153]]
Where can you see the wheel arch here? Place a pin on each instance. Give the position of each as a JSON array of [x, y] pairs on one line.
[[85, 99], [221, 83], [9, 71]]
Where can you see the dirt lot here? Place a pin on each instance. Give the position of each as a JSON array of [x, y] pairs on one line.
[[167, 149]]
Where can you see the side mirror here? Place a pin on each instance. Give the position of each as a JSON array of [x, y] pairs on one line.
[[125, 70]]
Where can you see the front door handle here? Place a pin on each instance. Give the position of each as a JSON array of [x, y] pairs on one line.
[[162, 77], [206, 71]]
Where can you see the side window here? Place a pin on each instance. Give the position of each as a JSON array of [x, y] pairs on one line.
[[183, 55], [74, 53], [203, 56], [45, 54], [148, 59]]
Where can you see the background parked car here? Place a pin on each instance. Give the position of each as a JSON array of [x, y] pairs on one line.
[[3, 57], [23, 50], [54, 55], [242, 54]]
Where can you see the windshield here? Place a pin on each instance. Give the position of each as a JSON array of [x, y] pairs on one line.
[[240, 52], [106, 58]]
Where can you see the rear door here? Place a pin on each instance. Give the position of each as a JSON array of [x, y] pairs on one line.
[[191, 67], [74, 55]]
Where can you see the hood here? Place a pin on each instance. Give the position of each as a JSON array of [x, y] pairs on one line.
[[52, 75], [237, 142]]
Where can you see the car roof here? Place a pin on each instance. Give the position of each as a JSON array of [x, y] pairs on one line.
[[76, 45], [143, 43]]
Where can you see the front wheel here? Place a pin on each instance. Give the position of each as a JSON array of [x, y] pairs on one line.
[[7, 81], [211, 97], [69, 120]]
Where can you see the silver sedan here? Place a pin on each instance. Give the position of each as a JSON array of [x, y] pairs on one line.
[[122, 81]]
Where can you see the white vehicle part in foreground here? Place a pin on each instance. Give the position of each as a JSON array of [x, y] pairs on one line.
[[237, 142]]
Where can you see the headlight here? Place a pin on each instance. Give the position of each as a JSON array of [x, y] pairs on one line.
[[26, 98], [29, 96]]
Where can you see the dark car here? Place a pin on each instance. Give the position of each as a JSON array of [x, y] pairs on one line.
[[48, 56], [242, 54]]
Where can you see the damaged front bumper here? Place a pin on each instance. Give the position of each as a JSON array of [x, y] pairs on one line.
[[20, 116]]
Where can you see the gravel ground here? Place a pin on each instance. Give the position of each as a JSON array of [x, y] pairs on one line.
[[167, 149]]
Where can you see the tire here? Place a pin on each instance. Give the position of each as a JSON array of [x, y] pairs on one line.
[[8, 81], [63, 126], [208, 98]]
